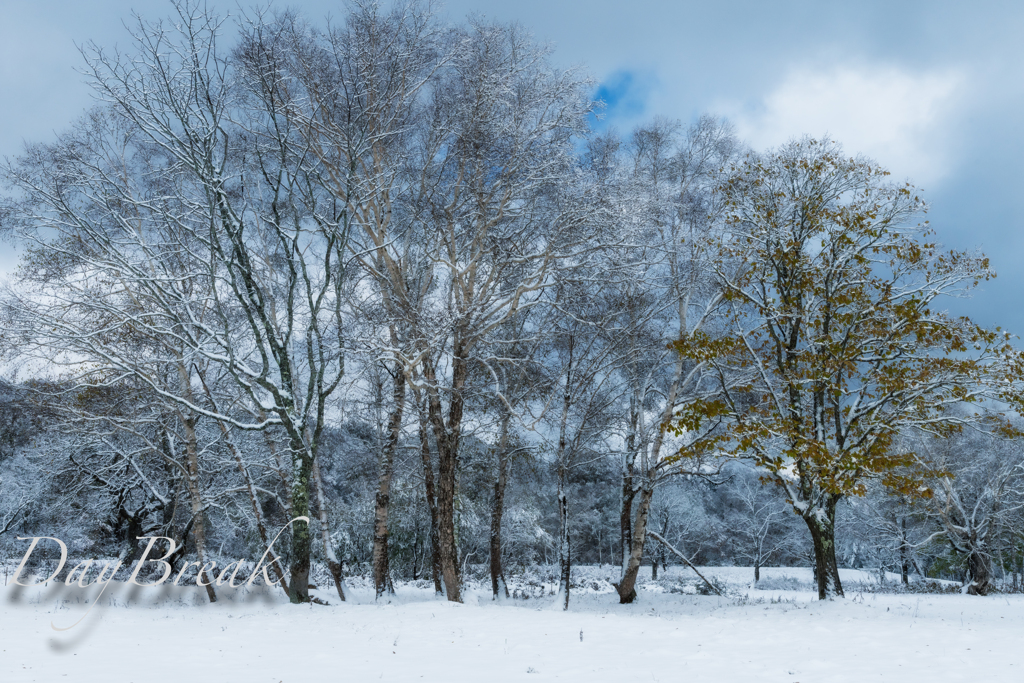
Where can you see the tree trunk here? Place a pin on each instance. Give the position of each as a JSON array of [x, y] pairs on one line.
[[628, 493], [659, 556], [564, 559], [302, 541], [822, 524], [563, 460], [333, 565], [381, 565], [634, 536], [979, 573], [757, 571], [904, 553], [431, 496], [195, 495], [626, 518], [447, 466], [194, 484], [447, 438], [627, 585], [498, 588]]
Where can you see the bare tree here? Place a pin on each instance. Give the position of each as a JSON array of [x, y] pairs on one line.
[[978, 488], [665, 294], [758, 519], [455, 179], [586, 390], [191, 190]]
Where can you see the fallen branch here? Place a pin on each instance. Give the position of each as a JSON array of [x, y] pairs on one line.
[[657, 537]]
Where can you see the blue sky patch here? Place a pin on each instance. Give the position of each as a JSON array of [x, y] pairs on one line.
[[625, 96]]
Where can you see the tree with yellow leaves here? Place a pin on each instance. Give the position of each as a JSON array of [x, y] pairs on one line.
[[832, 287]]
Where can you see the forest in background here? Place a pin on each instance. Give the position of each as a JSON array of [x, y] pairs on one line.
[[386, 276]]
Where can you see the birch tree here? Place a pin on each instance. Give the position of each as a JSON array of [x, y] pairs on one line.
[[664, 294], [460, 194], [211, 186], [585, 351], [366, 81]]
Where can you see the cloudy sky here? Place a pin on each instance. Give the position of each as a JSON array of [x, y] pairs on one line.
[[932, 90]]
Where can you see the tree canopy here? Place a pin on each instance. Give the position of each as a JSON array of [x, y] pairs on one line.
[[834, 343]]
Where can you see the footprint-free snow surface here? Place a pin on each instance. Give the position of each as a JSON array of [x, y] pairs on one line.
[[752, 635]]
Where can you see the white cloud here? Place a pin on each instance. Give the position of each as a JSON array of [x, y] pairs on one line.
[[894, 116]]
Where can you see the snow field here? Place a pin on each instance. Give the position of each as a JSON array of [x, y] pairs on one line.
[[751, 636]]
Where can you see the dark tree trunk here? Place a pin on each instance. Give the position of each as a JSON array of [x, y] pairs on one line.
[[626, 518], [431, 496], [626, 587], [757, 571], [822, 525], [447, 468], [447, 438], [628, 493], [659, 556], [904, 553], [564, 559], [498, 588], [302, 539], [381, 560], [979, 573]]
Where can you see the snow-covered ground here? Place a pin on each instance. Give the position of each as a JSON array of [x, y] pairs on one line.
[[670, 634]]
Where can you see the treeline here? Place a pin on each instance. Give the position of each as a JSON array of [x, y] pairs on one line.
[[383, 284]]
